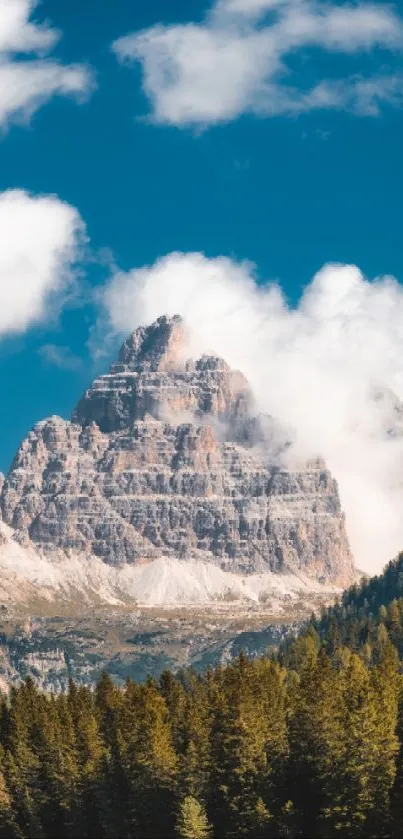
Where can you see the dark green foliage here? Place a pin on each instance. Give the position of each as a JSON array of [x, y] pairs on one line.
[[359, 619], [250, 750], [308, 744]]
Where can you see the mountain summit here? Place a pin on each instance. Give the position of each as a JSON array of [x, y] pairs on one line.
[[155, 347], [165, 461], [152, 379]]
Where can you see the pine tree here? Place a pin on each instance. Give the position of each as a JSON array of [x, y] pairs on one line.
[[88, 821], [315, 730], [248, 739], [21, 764], [8, 826], [151, 763], [192, 822], [385, 682], [369, 746], [396, 809], [194, 742]]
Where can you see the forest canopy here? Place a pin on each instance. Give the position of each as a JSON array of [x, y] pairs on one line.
[[306, 742]]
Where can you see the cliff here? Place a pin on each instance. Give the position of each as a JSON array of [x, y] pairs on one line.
[[165, 457]]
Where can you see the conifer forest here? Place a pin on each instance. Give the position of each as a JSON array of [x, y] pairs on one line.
[[305, 742]]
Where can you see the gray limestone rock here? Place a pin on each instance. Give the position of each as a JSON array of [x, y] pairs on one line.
[[165, 457]]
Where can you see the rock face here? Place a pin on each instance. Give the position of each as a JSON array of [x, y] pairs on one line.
[[165, 458], [151, 380]]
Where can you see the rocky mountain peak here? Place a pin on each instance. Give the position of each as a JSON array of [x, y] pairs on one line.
[[156, 347], [165, 459], [152, 379]]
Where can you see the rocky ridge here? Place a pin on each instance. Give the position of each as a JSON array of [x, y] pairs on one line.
[[165, 460]]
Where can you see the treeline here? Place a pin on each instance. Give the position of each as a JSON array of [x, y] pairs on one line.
[[253, 749], [367, 613], [304, 743]]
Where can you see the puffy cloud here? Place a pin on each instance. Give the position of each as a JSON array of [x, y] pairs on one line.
[[17, 33], [41, 238], [234, 61], [26, 83], [328, 368]]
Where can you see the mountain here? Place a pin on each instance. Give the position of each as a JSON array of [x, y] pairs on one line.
[[164, 458], [168, 489]]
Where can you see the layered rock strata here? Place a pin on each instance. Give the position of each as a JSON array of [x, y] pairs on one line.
[[165, 457]]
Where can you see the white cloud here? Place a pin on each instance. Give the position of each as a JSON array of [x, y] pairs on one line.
[[40, 240], [25, 82], [358, 95], [235, 60], [17, 33], [317, 368]]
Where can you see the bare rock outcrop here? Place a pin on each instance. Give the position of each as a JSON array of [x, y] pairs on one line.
[[152, 380], [164, 457]]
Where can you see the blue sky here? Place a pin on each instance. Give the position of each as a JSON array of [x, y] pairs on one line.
[[289, 190]]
